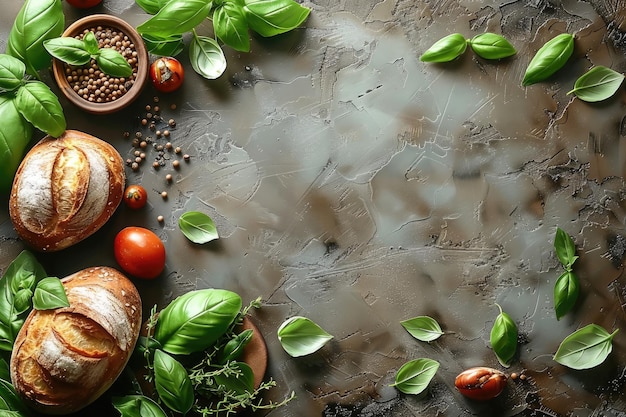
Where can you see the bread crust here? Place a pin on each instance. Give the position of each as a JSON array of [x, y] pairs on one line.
[[64, 359], [65, 189]]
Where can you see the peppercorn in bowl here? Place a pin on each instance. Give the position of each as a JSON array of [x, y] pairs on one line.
[[88, 86]]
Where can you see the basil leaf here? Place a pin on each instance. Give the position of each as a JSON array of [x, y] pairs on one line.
[[22, 301], [91, 43], [10, 403], [300, 336], [172, 383], [414, 377], [231, 27], [240, 382], [207, 58], [137, 406], [503, 338], [235, 346], [50, 294], [423, 328], [585, 348], [176, 17], [445, 49], [197, 227], [113, 63], [273, 17], [37, 21], [11, 72], [549, 59], [195, 320], [565, 249], [151, 6], [15, 134], [5, 373], [164, 46], [566, 292], [597, 84], [491, 46], [38, 104], [70, 50]]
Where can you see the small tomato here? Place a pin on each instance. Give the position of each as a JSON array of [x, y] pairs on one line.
[[135, 196], [480, 383], [166, 74], [139, 252], [84, 4]]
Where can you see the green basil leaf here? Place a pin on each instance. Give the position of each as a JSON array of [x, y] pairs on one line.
[[445, 49], [597, 84], [299, 336], [5, 373], [164, 46], [566, 292], [550, 58], [273, 17], [91, 43], [176, 17], [37, 21], [207, 58], [235, 346], [22, 301], [195, 320], [492, 46], [38, 104], [10, 403], [172, 383], [50, 294], [11, 72], [113, 63], [70, 50], [151, 6], [137, 406], [585, 348], [231, 27], [414, 377], [565, 248], [423, 328], [239, 383], [503, 338], [197, 227], [15, 134]]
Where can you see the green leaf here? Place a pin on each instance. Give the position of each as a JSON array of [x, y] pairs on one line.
[[164, 46], [11, 72], [10, 403], [69, 50], [565, 249], [231, 27], [50, 294], [597, 84], [585, 348], [151, 6], [550, 58], [566, 292], [37, 21], [197, 227], [15, 134], [195, 320], [5, 373], [423, 328], [241, 382], [414, 377], [113, 63], [23, 300], [207, 58], [176, 17], [235, 346], [273, 17], [38, 104], [300, 336], [172, 383], [492, 46], [446, 49], [503, 338], [137, 406], [91, 43]]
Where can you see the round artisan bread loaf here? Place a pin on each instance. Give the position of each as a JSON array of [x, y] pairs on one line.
[[65, 189], [64, 359]]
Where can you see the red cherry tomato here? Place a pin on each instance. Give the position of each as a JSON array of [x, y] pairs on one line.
[[139, 252], [84, 4], [167, 74], [135, 196]]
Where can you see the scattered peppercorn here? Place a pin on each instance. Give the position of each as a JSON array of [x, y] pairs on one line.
[[186, 157], [160, 219], [175, 164], [164, 194], [168, 177]]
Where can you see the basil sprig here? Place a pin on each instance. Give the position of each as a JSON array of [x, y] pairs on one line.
[[567, 287], [423, 328], [597, 84], [414, 376], [485, 45], [300, 336], [550, 58], [585, 348], [503, 338]]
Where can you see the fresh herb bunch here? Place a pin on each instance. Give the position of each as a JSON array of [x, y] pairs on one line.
[[232, 20], [567, 286]]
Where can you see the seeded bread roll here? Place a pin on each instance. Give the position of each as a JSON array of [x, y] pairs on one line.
[[65, 189], [64, 359]]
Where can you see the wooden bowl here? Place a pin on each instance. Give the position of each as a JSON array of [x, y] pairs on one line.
[[143, 63]]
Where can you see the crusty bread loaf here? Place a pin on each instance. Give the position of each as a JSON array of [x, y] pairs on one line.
[[65, 189], [66, 358]]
